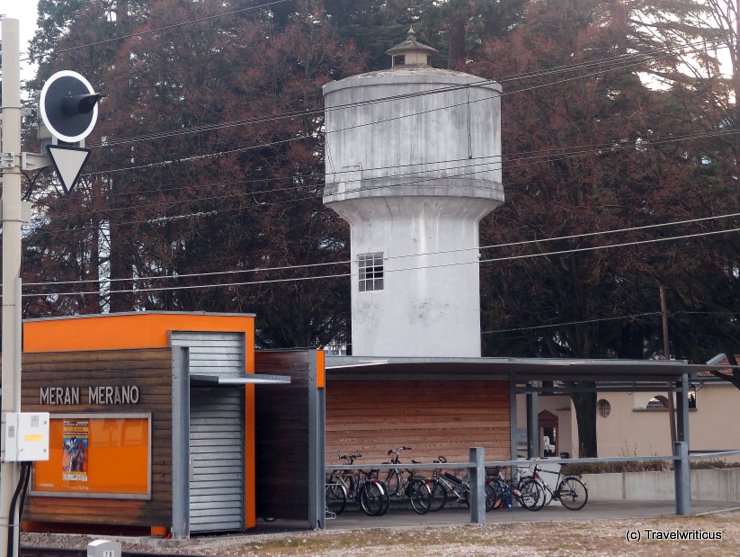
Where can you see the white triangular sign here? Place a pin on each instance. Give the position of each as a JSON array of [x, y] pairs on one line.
[[68, 162]]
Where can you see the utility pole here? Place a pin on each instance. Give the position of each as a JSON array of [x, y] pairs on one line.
[[667, 356], [11, 272], [69, 111]]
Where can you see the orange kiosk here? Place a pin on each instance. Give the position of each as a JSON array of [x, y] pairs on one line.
[[152, 420]]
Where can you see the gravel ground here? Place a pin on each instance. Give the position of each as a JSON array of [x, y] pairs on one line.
[[551, 539]]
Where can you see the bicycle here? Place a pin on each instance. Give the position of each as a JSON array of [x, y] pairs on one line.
[[526, 491], [412, 487], [363, 488], [335, 499], [571, 491], [444, 484], [437, 488]]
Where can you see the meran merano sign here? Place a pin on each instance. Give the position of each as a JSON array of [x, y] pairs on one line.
[[103, 395]]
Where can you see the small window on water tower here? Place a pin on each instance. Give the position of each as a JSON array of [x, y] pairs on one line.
[[370, 267]]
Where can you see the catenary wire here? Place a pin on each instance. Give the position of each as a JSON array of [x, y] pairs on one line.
[[436, 266], [312, 135], [393, 257], [531, 158], [643, 57], [601, 319], [165, 28], [564, 324]]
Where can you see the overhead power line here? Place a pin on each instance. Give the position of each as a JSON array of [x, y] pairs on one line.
[[166, 27], [625, 61], [564, 324], [312, 134], [420, 267], [520, 160], [601, 320], [403, 256]]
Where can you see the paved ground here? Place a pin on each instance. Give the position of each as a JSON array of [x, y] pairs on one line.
[[353, 519], [602, 529]]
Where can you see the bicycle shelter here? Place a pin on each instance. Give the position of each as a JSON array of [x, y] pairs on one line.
[[400, 387]]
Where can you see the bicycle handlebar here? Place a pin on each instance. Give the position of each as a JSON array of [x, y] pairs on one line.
[[351, 458]]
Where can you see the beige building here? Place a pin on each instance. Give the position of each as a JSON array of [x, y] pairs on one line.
[[637, 424]]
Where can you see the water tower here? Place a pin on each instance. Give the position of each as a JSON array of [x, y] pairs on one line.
[[413, 163]]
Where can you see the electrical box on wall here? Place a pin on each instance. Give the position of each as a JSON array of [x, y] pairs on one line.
[[26, 436]]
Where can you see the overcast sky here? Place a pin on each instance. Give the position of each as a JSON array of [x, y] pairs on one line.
[[25, 12]]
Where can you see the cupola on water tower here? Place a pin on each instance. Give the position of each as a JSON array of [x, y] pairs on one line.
[[413, 162]]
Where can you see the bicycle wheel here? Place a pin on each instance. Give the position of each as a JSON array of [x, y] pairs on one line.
[[498, 493], [420, 496], [572, 493], [344, 479], [490, 497], [531, 494], [386, 499], [488, 494], [439, 495], [393, 483], [372, 499], [336, 497]]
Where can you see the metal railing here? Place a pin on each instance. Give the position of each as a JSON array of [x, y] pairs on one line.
[[476, 467]]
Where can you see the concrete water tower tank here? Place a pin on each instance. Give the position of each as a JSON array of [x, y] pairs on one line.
[[413, 162]]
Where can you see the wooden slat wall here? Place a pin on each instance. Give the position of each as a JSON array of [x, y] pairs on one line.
[[432, 417], [151, 370], [281, 446]]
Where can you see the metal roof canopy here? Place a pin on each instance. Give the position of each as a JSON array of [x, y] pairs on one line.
[[224, 381], [509, 369]]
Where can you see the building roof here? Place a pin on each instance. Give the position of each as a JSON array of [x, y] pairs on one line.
[[719, 363], [410, 45], [144, 314], [518, 369]]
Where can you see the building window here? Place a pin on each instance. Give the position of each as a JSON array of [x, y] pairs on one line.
[[604, 408], [658, 402], [370, 267], [399, 60], [692, 397]]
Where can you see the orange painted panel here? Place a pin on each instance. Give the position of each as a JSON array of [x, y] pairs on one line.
[[128, 330], [96, 456], [250, 466], [320, 369]]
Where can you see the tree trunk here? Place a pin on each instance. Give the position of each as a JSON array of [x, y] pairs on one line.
[[585, 405], [456, 43], [735, 55], [121, 251]]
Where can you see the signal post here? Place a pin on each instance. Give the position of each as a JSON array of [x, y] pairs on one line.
[[11, 274], [69, 111]]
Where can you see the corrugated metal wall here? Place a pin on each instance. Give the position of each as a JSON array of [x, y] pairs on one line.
[[217, 459], [216, 432], [213, 353]]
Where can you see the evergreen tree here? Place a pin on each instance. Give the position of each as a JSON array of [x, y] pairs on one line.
[[590, 147], [209, 161]]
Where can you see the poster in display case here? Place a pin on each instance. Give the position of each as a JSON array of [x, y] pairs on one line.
[[96, 455]]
